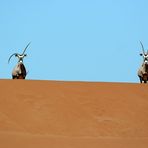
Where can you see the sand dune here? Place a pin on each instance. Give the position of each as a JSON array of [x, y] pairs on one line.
[[73, 114]]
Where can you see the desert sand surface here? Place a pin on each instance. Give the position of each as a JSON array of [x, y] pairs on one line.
[[60, 114]]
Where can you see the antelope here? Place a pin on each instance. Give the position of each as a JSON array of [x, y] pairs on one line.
[[19, 71], [143, 70]]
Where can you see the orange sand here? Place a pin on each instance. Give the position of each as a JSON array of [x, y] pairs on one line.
[[58, 114]]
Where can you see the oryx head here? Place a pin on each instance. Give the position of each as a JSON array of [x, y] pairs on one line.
[[19, 56], [144, 54]]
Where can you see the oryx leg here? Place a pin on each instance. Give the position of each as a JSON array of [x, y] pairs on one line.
[[21, 77], [14, 77], [145, 78], [145, 81], [140, 79]]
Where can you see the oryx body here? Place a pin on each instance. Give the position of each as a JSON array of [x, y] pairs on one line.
[[143, 70], [19, 71]]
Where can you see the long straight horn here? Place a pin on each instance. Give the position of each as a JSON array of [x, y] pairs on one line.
[[11, 56], [142, 47], [26, 48]]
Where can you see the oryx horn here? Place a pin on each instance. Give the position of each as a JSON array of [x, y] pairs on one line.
[[11, 56], [26, 48], [142, 47]]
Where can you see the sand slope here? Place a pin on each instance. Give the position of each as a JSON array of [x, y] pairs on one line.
[[73, 114]]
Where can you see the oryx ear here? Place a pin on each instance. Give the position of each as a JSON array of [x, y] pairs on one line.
[[140, 54]]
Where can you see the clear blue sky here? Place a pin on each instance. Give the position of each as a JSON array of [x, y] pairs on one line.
[[78, 40]]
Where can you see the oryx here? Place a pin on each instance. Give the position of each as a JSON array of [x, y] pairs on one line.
[[143, 70], [19, 71]]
